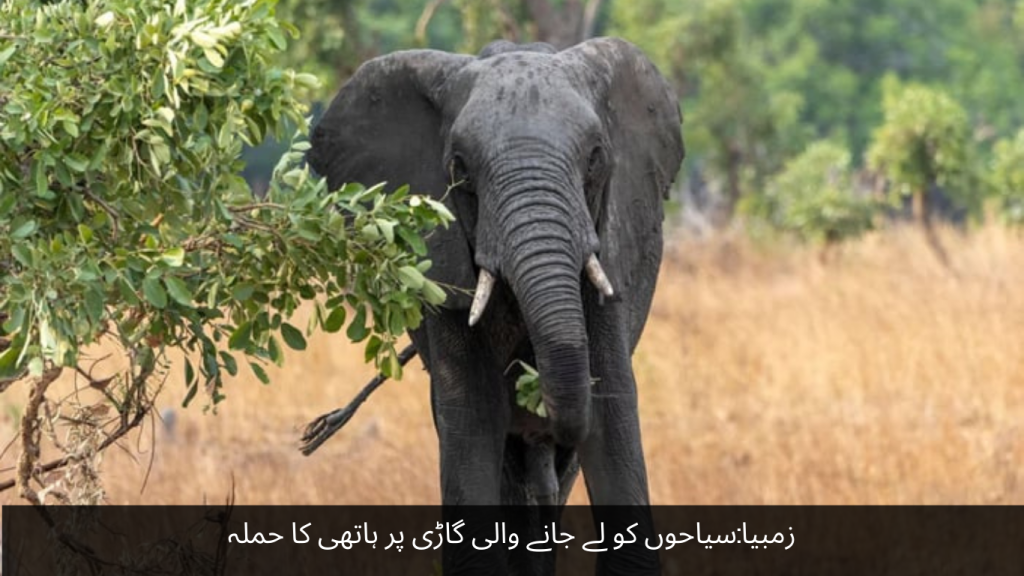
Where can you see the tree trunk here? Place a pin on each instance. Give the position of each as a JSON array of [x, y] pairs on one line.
[[923, 212], [563, 27], [727, 207]]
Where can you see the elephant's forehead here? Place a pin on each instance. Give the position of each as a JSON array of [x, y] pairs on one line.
[[520, 75], [520, 90]]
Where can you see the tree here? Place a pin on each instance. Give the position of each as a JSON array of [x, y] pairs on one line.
[[1008, 178], [924, 147], [813, 196], [563, 24], [124, 220], [735, 126]]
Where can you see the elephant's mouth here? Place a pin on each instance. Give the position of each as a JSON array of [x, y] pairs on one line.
[[486, 282]]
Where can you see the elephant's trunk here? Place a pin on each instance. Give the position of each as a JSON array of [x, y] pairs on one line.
[[543, 261]]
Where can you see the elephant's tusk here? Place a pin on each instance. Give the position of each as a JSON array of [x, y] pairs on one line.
[[484, 288], [598, 277]]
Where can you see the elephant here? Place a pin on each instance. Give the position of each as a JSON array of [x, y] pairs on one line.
[[555, 165]]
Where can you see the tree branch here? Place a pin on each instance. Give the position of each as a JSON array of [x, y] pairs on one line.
[[255, 206], [590, 12], [26, 463], [30, 435], [320, 430], [424, 21], [115, 217]]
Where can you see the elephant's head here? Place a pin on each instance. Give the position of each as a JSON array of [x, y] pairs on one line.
[[540, 143]]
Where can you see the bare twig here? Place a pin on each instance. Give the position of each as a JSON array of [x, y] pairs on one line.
[[204, 241], [99, 384], [128, 423], [256, 206], [320, 430], [115, 217], [152, 444], [123, 429]]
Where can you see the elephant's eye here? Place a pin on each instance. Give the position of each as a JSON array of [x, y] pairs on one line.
[[596, 162], [458, 172]]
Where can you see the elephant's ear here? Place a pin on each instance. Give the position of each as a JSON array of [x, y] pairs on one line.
[[641, 116], [385, 126]]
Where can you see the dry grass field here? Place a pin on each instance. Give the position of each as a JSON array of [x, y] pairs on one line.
[[766, 377]]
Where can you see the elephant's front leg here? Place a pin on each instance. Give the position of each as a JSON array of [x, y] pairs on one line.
[[471, 425], [471, 415], [612, 455]]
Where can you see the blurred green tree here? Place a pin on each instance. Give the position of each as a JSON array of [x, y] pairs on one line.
[[737, 129], [814, 197], [924, 148], [1008, 178]]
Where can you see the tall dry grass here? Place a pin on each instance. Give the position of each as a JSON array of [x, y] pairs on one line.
[[766, 377]]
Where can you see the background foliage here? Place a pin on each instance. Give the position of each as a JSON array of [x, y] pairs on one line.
[[759, 80]]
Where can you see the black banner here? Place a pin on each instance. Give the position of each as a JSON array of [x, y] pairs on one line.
[[323, 540]]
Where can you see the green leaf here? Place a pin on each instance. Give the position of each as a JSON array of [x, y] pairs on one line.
[[357, 330], [174, 257], [154, 292], [433, 293], [335, 320], [241, 337], [259, 372], [23, 254], [127, 291], [440, 208], [94, 304], [230, 365], [7, 53], [396, 320], [214, 57], [72, 129], [39, 177], [243, 291], [387, 228], [372, 347], [24, 229], [370, 232], [35, 367], [411, 277], [293, 337], [9, 359], [193, 387], [277, 37], [190, 373], [13, 322], [178, 290], [76, 162], [392, 367], [419, 247], [275, 352]]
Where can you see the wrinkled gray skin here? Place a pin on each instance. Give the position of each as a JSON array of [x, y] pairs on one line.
[[562, 155]]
